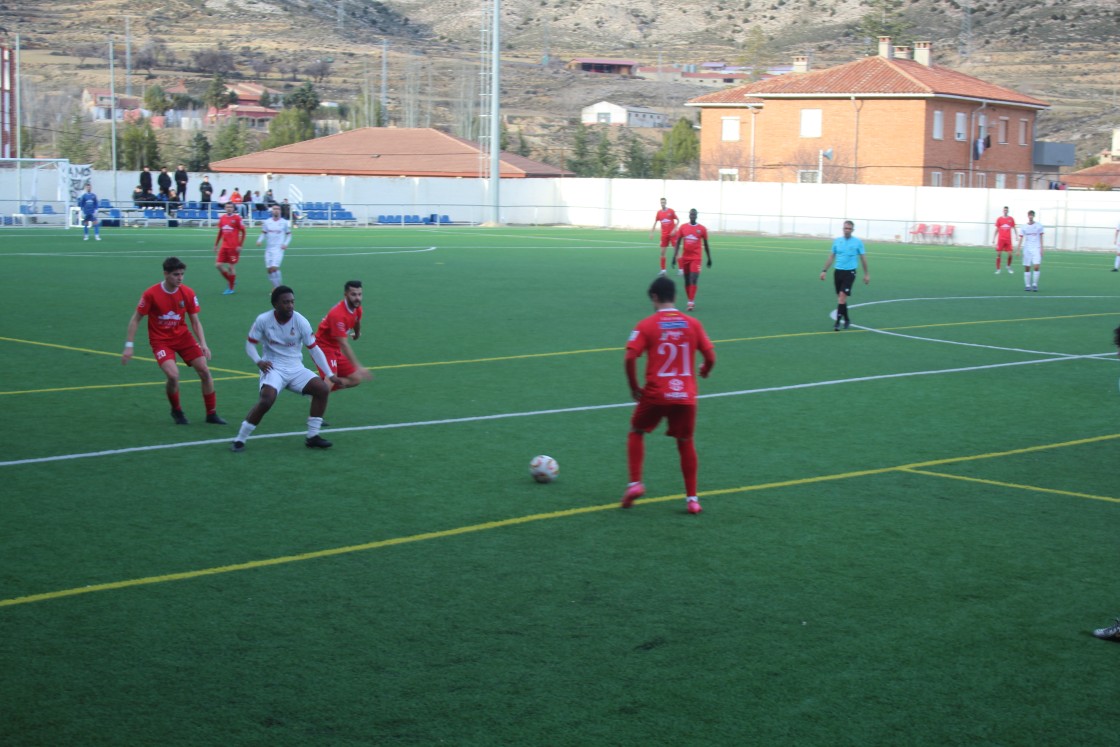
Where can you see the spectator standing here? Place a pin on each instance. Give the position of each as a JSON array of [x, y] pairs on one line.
[[164, 181], [181, 179], [206, 192], [146, 180]]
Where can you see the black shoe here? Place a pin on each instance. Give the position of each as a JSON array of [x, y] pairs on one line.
[[179, 417], [216, 419], [318, 442], [237, 447], [836, 327], [847, 323], [1115, 270]]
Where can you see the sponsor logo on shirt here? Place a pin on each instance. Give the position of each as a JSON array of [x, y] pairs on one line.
[[672, 324]]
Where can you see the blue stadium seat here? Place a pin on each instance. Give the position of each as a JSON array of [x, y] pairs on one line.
[[48, 209], [444, 219], [104, 203]]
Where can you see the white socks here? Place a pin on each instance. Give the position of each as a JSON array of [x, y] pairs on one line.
[[313, 426], [247, 429], [274, 278]]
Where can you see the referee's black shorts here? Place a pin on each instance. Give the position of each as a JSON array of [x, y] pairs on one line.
[[844, 280]]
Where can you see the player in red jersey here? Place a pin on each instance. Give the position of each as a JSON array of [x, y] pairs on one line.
[[333, 336], [1005, 227], [231, 235], [693, 236], [670, 341], [166, 304], [668, 221]]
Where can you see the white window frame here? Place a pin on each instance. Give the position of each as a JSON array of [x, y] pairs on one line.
[[729, 175], [958, 178], [982, 126], [1004, 129], [960, 127], [1001, 181], [939, 125], [602, 117], [980, 179], [808, 176], [935, 178], [812, 123], [1024, 131], [730, 129], [1021, 181]]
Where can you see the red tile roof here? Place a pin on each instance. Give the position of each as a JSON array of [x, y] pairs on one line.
[[384, 151], [872, 77], [1102, 173]]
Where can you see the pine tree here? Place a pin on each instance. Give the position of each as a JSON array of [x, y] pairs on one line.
[[580, 162], [289, 126], [198, 158], [635, 160], [305, 97], [71, 144], [139, 147], [679, 155], [606, 163], [229, 142]]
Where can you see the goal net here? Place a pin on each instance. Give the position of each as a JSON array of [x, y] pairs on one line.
[[40, 191]]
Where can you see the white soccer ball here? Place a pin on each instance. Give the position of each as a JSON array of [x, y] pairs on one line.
[[544, 468]]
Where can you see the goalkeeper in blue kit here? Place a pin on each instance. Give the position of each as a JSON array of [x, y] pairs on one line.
[[87, 204]]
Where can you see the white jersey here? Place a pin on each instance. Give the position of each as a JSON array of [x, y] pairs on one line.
[[276, 233], [1032, 235], [282, 343]]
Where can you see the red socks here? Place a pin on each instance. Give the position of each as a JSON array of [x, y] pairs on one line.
[[690, 464], [635, 455]]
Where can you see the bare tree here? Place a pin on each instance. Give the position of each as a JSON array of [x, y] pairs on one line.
[[216, 61], [86, 50], [410, 96], [261, 66], [464, 104], [318, 70]]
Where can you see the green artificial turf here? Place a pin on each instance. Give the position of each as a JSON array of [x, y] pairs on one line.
[[907, 535]]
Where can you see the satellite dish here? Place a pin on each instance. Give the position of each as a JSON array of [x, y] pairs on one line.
[[827, 154]]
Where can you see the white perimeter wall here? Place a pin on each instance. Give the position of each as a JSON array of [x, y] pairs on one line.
[[1073, 219]]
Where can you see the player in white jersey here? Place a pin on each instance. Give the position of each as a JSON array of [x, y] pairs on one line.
[[282, 334], [1030, 249], [276, 233]]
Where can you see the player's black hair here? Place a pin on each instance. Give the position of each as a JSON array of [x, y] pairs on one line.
[[849, 223], [171, 264], [663, 289], [351, 284], [279, 291]]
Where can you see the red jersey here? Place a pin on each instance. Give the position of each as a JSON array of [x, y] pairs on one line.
[[670, 340], [167, 312], [1004, 224], [231, 231], [337, 323], [694, 236], [666, 218]]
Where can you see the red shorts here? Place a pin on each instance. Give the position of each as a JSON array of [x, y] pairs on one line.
[[666, 239], [187, 349], [690, 264], [340, 364], [682, 418], [1003, 246], [229, 256]]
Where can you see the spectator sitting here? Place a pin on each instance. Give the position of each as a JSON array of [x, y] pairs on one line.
[[236, 199], [223, 198], [269, 200], [173, 203], [138, 196], [258, 203]]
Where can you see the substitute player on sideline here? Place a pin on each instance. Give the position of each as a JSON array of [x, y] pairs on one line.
[[334, 333], [1030, 249], [87, 203], [276, 233], [670, 341], [1005, 227], [231, 235], [845, 251], [693, 236], [282, 333], [668, 221], [165, 304]]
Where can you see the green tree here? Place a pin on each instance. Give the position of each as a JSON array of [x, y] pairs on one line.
[[266, 100], [198, 155], [104, 160], [71, 143], [229, 142], [218, 94], [26, 142], [503, 137], [523, 148], [304, 97], [884, 19], [606, 163], [155, 101], [636, 161], [580, 162], [1089, 162], [679, 155], [289, 126], [756, 52], [139, 147]]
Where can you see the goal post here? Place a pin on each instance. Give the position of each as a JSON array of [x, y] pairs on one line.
[[40, 191]]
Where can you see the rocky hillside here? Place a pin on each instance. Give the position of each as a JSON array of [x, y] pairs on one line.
[[1063, 51]]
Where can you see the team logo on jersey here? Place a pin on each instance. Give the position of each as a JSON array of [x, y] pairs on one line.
[[676, 385], [673, 324]]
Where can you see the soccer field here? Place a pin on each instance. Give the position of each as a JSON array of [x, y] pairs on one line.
[[907, 530]]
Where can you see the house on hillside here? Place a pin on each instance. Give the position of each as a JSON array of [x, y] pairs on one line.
[[605, 112], [386, 151], [102, 105], [247, 109], [894, 118], [603, 65]]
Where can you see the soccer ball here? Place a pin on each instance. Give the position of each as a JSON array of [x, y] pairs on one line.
[[544, 468]]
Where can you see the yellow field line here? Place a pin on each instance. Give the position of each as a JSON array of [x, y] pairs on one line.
[[123, 386], [330, 552], [1017, 486]]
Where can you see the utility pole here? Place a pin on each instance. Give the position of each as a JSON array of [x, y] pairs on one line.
[[384, 118]]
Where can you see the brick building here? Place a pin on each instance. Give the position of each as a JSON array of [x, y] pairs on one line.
[[895, 118]]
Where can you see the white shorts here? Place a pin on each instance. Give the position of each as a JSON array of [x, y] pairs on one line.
[[1032, 256], [273, 257], [280, 378]]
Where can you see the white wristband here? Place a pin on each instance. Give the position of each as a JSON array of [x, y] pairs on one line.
[[128, 345]]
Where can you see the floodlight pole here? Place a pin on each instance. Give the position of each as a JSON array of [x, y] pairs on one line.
[[495, 114], [113, 117]]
